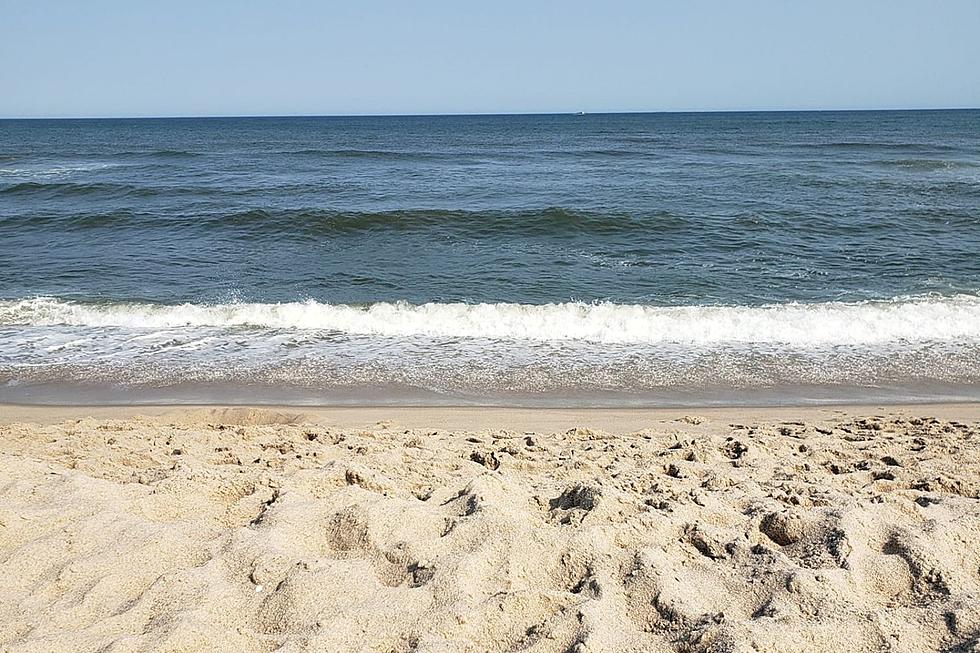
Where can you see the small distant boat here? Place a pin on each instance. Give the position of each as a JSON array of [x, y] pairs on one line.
[[580, 113]]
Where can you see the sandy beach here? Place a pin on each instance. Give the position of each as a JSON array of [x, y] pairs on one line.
[[437, 529], [528, 327]]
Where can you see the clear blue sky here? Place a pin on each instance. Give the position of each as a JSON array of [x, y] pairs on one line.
[[250, 57]]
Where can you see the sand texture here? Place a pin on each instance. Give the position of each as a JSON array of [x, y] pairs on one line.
[[250, 530]]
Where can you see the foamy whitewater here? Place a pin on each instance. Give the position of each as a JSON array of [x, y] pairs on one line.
[[905, 320], [531, 354], [642, 259]]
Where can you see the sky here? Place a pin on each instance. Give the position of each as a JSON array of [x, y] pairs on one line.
[[64, 58]]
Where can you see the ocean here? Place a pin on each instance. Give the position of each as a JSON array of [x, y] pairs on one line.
[[615, 259]]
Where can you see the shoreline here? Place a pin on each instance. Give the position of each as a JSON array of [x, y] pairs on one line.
[[615, 420]]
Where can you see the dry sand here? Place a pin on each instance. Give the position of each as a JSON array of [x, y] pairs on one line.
[[397, 530]]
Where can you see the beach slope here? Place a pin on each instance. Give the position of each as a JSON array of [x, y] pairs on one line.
[[233, 529]]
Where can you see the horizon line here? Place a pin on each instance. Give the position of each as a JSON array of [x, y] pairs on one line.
[[481, 114]]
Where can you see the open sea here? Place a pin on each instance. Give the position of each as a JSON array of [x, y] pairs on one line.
[[624, 259]]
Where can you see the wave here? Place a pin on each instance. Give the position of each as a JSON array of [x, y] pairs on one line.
[[303, 223], [159, 154], [546, 221], [915, 319], [71, 189], [314, 222], [79, 221], [879, 145], [928, 165], [64, 189], [456, 156], [33, 171], [393, 155]]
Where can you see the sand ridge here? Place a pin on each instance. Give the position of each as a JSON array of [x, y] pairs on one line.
[[258, 530]]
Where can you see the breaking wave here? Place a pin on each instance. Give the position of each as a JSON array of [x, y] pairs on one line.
[[911, 319]]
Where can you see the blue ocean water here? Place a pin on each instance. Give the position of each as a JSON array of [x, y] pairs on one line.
[[624, 258]]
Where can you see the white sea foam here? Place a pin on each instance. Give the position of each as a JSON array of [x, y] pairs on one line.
[[38, 171], [867, 323]]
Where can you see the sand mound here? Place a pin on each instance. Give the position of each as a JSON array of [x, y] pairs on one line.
[[246, 533], [235, 416]]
